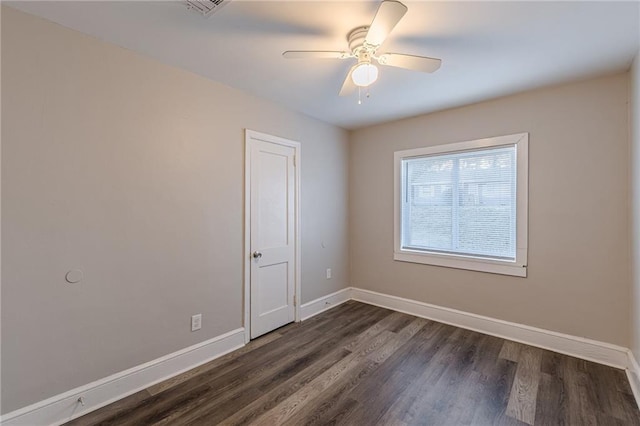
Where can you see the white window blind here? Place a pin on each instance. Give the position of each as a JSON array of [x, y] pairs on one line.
[[461, 203]]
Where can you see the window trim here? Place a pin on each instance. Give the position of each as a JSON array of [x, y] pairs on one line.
[[505, 267]]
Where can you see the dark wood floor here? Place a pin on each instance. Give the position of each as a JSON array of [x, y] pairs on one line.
[[362, 365]]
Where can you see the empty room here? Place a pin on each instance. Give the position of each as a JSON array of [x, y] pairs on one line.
[[360, 212]]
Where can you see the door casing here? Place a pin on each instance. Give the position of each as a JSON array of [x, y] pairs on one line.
[[251, 135]]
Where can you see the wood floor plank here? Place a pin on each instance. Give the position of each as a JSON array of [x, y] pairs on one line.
[[325, 323], [225, 407], [207, 385], [404, 362], [472, 394], [242, 394], [510, 350], [359, 364], [552, 364], [419, 393], [388, 323], [437, 408], [333, 401], [524, 392], [226, 388], [345, 375], [267, 401], [551, 407], [631, 407], [611, 401], [275, 396], [579, 406], [496, 386], [295, 402], [396, 376], [176, 380]]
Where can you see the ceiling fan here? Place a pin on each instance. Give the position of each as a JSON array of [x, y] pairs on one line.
[[363, 45]]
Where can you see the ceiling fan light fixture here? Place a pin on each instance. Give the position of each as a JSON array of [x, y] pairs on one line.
[[364, 42], [364, 74]]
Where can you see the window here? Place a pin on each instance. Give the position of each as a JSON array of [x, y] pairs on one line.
[[464, 205]]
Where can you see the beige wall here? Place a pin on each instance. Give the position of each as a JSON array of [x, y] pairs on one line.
[[578, 275], [634, 116], [133, 171]]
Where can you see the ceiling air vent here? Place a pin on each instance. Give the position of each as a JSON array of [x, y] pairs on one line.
[[206, 7]]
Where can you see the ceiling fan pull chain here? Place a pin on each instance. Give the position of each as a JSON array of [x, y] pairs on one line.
[[359, 97]]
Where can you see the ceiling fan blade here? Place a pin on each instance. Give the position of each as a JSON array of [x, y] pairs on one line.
[[410, 62], [315, 54], [387, 17], [348, 86]]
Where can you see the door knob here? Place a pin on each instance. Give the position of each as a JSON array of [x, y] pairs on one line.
[[257, 255]]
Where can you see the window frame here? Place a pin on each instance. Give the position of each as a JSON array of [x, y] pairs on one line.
[[517, 267]]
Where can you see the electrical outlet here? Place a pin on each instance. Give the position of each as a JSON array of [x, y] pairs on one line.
[[196, 322], [328, 273]]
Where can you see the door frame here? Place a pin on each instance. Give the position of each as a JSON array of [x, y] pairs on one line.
[[249, 136]]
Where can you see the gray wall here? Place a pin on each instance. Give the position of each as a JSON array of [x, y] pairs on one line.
[[634, 125], [578, 275], [133, 171]]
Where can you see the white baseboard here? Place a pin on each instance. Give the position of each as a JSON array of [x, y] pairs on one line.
[[633, 374], [324, 303], [64, 407], [579, 347]]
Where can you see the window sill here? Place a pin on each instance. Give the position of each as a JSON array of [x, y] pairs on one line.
[[458, 262]]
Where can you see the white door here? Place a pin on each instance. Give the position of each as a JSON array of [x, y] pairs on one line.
[[273, 236]]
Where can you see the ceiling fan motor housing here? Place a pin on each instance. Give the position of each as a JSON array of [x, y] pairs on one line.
[[356, 40]]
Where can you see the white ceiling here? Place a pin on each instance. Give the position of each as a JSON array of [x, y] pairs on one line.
[[488, 49]]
